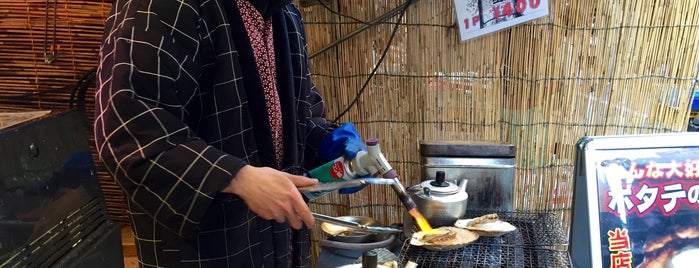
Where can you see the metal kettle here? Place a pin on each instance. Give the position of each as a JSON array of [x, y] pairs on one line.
[[441, 202]]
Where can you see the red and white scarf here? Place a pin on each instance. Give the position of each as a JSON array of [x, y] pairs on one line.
[[260, 33]]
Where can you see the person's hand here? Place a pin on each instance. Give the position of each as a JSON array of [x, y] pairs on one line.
[[273, 194], [343, 141]]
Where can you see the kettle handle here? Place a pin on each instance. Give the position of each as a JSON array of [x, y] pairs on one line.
[[414, 189]]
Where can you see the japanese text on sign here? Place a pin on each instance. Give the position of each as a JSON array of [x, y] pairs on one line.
[[620, 248], [479, 17], [665, 186]]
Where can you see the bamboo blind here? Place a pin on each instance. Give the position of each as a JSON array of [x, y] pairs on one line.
[[28, 82], [589, 68]]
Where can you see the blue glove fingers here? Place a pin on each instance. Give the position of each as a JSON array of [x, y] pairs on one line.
[[336, 143], [343, 141], [352, 147]]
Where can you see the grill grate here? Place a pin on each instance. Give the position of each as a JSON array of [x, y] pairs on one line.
[[61, 238], [538, 242]]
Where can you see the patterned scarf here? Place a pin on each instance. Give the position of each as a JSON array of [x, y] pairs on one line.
[[260, 33]]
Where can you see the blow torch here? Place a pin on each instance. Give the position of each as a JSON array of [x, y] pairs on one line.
[[373, 162], [370, 162]]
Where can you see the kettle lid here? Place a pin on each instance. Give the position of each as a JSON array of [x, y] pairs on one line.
[[439, 185]]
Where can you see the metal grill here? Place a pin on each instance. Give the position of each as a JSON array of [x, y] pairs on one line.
[[539, 241]]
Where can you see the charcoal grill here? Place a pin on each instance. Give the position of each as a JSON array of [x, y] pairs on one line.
[[539, 241], [52, 209]]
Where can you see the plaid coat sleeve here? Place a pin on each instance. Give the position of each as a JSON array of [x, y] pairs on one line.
[[148, 87], [174, 123], [317, 126]]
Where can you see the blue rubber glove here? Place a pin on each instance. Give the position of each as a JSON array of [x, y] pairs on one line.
[[343, 141]]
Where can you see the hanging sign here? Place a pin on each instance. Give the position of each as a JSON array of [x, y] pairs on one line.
[[479, 17], [636, 201]]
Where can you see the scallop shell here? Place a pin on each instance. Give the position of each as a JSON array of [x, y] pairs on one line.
[[486, 228], [462, 238]]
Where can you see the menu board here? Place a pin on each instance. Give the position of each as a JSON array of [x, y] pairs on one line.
[[636, 201]]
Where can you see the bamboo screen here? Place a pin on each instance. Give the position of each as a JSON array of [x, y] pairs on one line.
[[33, 76], [589, 68]]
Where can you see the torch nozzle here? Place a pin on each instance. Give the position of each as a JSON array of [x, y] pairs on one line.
[[377, 163], [404, 197], [410, 205]]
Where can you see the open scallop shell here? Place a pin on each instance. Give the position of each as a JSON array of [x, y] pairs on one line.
[[493, 227], [461, 238]]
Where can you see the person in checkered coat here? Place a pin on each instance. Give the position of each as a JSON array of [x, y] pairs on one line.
[[206, 116]]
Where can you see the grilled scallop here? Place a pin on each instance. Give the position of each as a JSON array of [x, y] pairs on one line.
[[486, 225], [443, 238]]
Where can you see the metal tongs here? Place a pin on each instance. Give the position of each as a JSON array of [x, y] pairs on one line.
[[354, 225], [345, 184]]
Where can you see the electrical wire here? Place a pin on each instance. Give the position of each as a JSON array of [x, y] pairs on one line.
[[378, 20], [322, 3], [79, 92], [77, 97], [378, 63]]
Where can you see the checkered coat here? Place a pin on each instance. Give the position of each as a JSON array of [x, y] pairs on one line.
[[180, 109]]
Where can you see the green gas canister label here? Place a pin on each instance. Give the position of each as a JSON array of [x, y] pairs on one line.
[[333, 171]]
